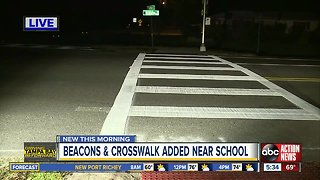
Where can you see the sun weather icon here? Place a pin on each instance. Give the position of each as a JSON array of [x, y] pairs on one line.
[[205, 167], [249, 167], [161, 168]]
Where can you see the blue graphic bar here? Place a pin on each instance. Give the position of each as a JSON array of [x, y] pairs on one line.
[[91, 167], [41, 29], [221, 167], [23, 167], [178, 167], [96, 139]]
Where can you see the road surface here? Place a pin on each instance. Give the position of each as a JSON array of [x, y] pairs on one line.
[[47, 91]]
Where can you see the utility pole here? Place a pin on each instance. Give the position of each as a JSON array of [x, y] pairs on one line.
[[203, 47], [152, 41]]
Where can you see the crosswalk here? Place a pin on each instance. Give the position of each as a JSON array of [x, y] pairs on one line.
[[200, 86]]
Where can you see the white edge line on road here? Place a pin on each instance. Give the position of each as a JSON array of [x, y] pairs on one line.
[[293, 65], [212, 91], [189, 68], [181, 62], [286, 94], [221, 113], [115, 122], [184, 58], [66, 47], [177, 55], [191, 76], [39, 46], [270, 58]]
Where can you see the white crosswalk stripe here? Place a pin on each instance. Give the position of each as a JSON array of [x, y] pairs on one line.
[[183, 58], [181, 62], [224, 113], [199, 77], [208, 91], [189, 67], [179, 55]]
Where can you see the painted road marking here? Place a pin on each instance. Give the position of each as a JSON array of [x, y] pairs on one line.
[[92, 109], [26, 45], [294, 65], [270, 58], [286, 94], [183, 58], [189, 67], [37, 46], [208, 91], [116, 120], [191, 76], [12, 45], [222, 139], [221, 112], [294, 79], [177, 55], [181, 62], [67, 47]]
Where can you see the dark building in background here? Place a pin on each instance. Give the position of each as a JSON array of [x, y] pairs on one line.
[[306, 22], [236, 25]]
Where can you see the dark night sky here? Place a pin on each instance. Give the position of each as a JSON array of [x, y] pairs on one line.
[[97, 14]]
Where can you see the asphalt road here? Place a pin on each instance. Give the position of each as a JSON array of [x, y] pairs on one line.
[[45, 92], [299, 76], [69, 90]]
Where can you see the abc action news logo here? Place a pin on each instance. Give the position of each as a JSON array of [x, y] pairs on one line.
[[281, 152]]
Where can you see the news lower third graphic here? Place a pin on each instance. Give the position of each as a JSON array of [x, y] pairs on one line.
[[41, 152], [123, 154], [281, 157], [157, 152], [281, 152]]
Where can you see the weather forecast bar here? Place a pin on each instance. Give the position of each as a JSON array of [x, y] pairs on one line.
[[137, 167]]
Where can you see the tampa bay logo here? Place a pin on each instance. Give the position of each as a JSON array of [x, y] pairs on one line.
[[270, 152]]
